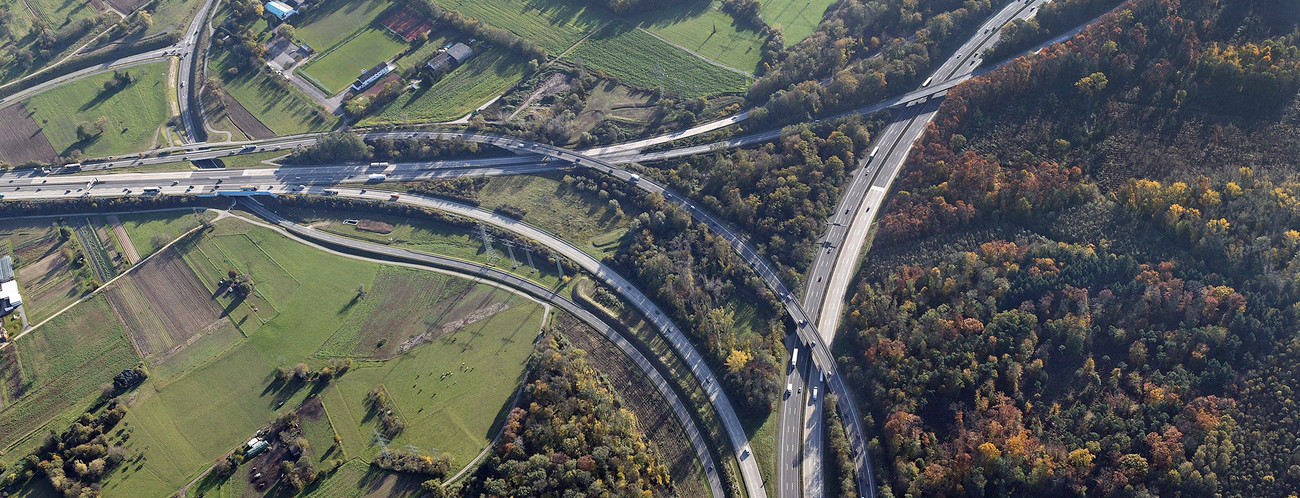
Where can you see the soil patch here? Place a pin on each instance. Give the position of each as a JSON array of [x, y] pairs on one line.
[[164, 305], [245, 120], [21, 139], [312, 410], [374, 226], [132, 256]]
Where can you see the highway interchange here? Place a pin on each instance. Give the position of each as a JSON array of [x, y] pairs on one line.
[[799, 468]]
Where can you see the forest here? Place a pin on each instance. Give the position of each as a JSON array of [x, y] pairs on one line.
[[1087, 280], [568, 434]]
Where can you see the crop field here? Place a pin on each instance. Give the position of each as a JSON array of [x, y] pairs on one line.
[[339, 68], [641, 397], [331, 22], [165, 306], [150, 231], [63, 363], [61, 12], [464, 89], [21, 140], [702, 28], [48, 281], [134, 113], [457, 413], [284, 111], [797, 19], [640, 59], [409, 307], [554, 24]]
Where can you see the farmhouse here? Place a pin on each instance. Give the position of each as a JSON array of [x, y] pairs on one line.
[[9, 298], [457, 54], [369, 77], [280, 10]]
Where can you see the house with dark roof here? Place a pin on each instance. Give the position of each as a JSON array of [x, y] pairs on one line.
[[455, 54], [372, 75]]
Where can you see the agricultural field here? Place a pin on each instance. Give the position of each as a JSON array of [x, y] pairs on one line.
[[553, 24], [62, 364], [797, 20], [133, 115], [639, 59], [42, 265], [341, 66], [172, 15], [702, 28], [151, 231], [165, 306], [21, 139], [483, 77], [284, 111]]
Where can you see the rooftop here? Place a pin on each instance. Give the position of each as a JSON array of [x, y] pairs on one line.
[[6, 268]]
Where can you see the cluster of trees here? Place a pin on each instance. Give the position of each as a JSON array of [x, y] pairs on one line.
[[630, 6], [1052, 18], [1152, 354], [121, 78], [75, 461], [378, 403], [463, 189], [569, 435], [699, 281], [49, 42], [866, 50], [747, 12], [1062, 369], [841, 469], [781, 193], [472, 27], [407, 461], [334, 147]]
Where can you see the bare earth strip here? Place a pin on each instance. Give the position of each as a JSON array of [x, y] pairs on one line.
[[21, 139], [164, 305], [128, 249], [246, 121]]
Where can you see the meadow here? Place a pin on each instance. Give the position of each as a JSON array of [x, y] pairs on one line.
[[797, 20], [284, 111], [640, 59], [63, 364], [151, 231], [483, 77], [702, 28], [134, 114], [330, 23], [577, 216], [340, 67]]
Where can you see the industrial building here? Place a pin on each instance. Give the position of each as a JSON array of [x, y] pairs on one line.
[[280, 10]]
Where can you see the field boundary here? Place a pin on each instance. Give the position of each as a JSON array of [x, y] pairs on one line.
[[697, 54]]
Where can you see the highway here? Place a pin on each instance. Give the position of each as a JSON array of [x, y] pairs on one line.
[[475, 270], [190, 51], [789, 436]]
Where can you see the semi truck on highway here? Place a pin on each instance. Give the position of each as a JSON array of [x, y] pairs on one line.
[[248, 188], [376, 178], [152, 190], [330, 191], [794, 358], [874, 151], [634, 178], [379, 165]]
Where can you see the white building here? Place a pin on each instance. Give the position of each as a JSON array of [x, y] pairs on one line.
[[370, 77]]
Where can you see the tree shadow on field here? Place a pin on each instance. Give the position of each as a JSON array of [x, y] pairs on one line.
[[234, 303]]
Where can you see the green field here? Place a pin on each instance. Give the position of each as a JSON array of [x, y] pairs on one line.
[[63, 364], [694, 28], [134, 113], [284, 111], [640, 59], [576, 216], [554, 24], [339, 68], [464, 89], [151, 231], [171, 15], [330, 23], [798, 20]]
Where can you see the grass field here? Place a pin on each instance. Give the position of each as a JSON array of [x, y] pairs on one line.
[[701, 27], [464, 89], [286, 112], [339, 68], [577, 216], [554, 24], [797, 19], [331, 22], [640, 59], [63, 365], [47, 280], [150, 231], [171, 15], [134, 113]]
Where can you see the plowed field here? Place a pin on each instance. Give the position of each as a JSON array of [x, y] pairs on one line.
[[21, 139], [164, 305]]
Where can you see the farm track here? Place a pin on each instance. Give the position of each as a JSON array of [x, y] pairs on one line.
[[95, 251]]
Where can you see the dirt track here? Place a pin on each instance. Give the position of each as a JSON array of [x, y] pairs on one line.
[[128, 249]]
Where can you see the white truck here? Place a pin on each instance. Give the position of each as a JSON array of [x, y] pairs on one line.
[[794, 358], [379, 165], [376, 178], [635, 178]]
